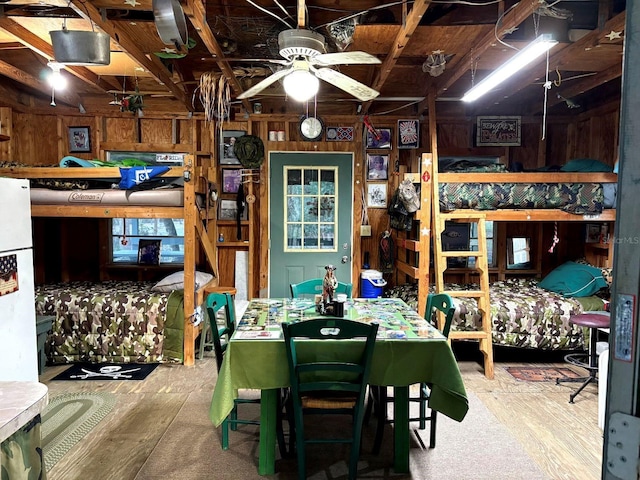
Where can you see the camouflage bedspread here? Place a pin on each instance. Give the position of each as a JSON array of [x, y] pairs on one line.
[[578, 198], [121, 322], [522, 314]]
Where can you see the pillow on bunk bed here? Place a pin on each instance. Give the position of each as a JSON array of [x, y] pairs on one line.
[[585, 165], [175, 281], [573, 279]]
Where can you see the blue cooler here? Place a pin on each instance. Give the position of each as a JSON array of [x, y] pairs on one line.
[[371, 284]]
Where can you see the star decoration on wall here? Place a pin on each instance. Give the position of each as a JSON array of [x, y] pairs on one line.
[[437, 52], [133, 3], [613, 35], [509, 31], [169, 50], [425, 231], [426, 162]]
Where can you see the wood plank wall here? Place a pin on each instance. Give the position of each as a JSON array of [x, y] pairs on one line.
[[42, 140]]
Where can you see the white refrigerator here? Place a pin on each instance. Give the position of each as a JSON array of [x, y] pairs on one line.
[[18, 343]]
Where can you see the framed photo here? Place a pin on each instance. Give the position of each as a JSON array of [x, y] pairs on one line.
[[227, 141], [593, 233], [149, 251], [408, 133], [228, 210], [383, 140], [339, 134], [231, 180], [498, 131], [79, 139], [377, 195], [377, 166]]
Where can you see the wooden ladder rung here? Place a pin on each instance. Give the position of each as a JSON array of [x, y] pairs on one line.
[[454, 253], [460, 334], [464, 293]]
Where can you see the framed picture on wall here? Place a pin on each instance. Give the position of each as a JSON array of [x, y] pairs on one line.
[[228, 210], [231, 180], [149, 251], [408, 133], [79, 139], [382, 140], [377, 166], [227, 141], [377, 195]]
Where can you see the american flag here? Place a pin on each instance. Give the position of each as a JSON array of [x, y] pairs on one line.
[[8, 264]]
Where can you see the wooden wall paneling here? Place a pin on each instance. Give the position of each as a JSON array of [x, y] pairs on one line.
[[6, 128], [153, 131], [36, 139], [121, 129]]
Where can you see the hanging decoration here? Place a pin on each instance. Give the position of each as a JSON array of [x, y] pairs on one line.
[[215, 96], [132, 103]]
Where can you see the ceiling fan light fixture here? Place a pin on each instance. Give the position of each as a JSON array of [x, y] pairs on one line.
[[521, 59], [301, 85]]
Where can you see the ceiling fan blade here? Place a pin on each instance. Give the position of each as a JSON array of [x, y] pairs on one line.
[[348, 84], [258, 87], [345, 58]]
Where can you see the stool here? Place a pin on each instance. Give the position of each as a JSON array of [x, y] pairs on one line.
[[588, 360], [206, 336]]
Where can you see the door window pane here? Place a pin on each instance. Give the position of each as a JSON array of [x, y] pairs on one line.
[[311, 220]]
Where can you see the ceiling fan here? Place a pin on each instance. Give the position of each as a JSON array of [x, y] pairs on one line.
[[304, 53]]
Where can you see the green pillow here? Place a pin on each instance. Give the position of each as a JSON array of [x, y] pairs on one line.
[[586, 165], [573, 279]]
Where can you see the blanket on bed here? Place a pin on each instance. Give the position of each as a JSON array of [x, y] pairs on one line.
[[522, 314], [120, 322]]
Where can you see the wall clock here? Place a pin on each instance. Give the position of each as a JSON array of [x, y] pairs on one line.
[[311, 128]]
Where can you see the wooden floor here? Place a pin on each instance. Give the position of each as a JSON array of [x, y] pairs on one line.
[[564, 439]]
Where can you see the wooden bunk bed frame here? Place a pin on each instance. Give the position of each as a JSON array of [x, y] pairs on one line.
[[431, 222], [193, 226]]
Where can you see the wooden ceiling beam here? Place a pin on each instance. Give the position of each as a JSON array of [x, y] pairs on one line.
[[511, 20], [29, 80], [410, 23], [150, 62], [42, 48], [195, 10]]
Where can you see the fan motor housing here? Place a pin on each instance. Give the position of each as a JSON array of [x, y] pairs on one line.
[[296, 42]]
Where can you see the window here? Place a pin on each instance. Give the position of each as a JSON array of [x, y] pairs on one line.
[[310, 209], [127, 232], [473, 242]]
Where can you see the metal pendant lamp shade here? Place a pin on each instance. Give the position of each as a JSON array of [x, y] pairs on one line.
[[79, 47]]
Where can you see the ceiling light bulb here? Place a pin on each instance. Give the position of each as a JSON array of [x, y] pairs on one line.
[[301, 85], [55, 78]]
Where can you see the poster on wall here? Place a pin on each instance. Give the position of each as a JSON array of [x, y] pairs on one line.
[[498, 131], [408, 133], [8, 274]]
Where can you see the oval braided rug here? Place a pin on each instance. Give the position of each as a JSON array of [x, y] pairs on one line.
[[68, 418]]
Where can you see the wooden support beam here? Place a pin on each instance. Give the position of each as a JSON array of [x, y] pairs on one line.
[[42, 48], [150, 62], [195, 10], [29, 80], [402, 38]]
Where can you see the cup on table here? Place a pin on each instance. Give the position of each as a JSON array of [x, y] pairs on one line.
[[341, 297]]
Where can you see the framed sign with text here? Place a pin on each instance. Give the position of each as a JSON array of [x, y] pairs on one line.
[[498, 131]]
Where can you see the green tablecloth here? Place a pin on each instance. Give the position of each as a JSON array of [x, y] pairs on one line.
[[408, 350]]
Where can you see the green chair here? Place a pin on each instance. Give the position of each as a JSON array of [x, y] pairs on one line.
[[314, 287], [320, 386], [435, 303], [221, 334]]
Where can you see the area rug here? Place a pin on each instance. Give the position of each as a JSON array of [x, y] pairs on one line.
[[68, 418], [107, 371], [542, 374]]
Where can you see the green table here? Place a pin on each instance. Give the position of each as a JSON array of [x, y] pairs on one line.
[[408, 350]]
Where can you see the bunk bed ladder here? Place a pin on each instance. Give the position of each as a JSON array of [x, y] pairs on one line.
[[481, 295]]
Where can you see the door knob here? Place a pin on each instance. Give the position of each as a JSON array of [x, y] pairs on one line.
[[345, 259]]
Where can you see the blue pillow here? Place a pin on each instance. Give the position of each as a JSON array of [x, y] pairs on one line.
[[585, 165], [574, 280]]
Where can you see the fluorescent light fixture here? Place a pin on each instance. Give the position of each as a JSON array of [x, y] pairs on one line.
[[525, 56], [301, 84]]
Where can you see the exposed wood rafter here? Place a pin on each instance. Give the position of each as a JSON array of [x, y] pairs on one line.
[[402, 38], [194, 9], [42, 48], [128, 44]]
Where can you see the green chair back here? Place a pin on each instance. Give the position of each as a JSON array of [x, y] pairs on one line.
[[328, 384], [443, 303], [216, 302], [314, 287]]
